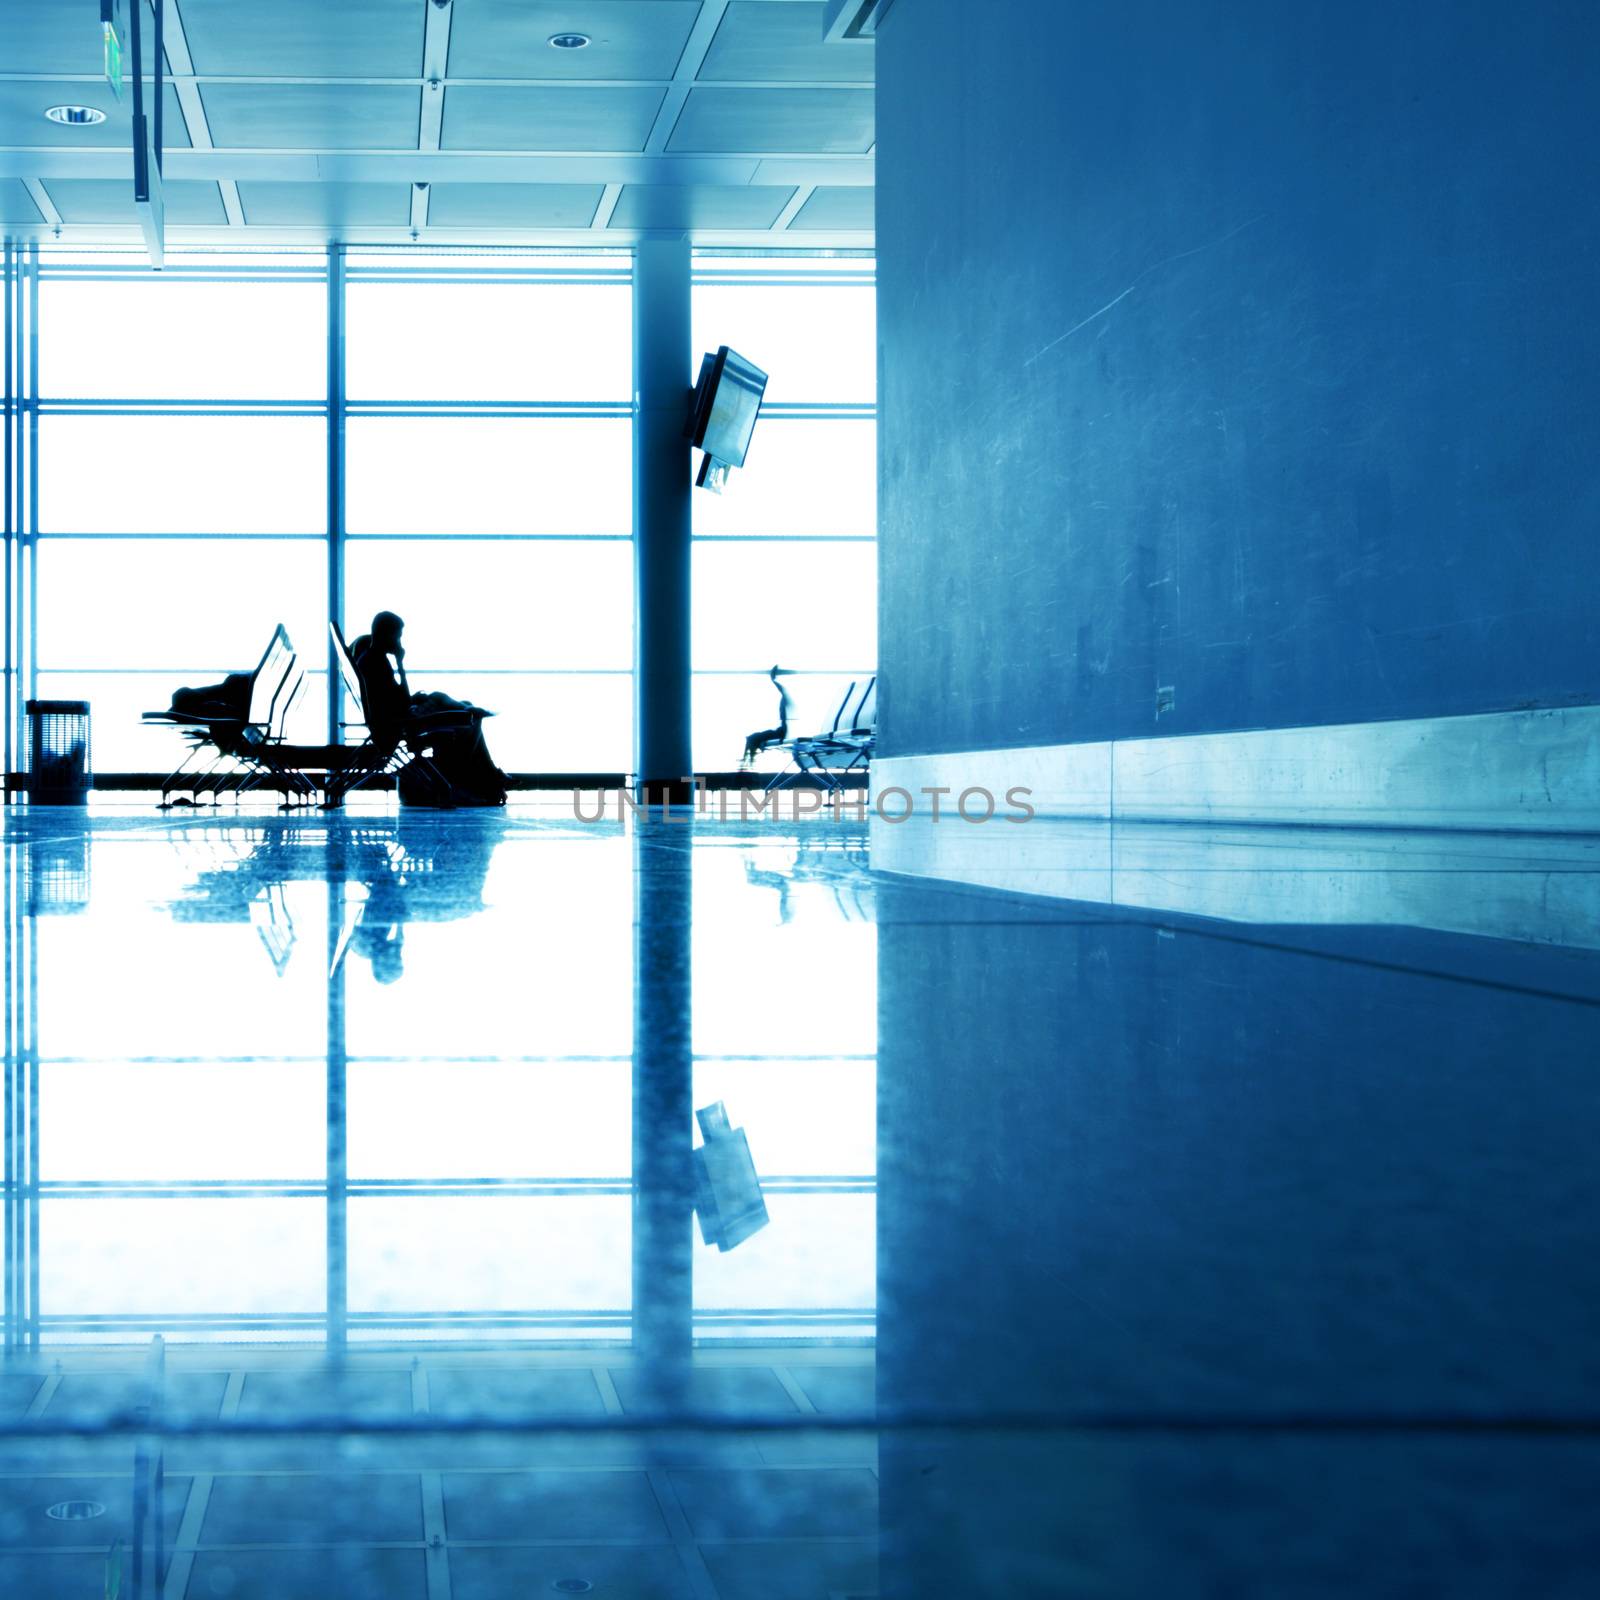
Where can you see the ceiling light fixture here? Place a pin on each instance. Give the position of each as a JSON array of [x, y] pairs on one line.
[[76, 116], [75, 1510], [568, 41]]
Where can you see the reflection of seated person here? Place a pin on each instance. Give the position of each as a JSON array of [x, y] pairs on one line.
[[380, 934], [400, 871], [764, 738], [440, 884], [450, 730]]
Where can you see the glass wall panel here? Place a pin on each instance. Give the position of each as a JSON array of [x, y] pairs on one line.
[[489, 475], [729, 706], [802, 604], [516, 340], [803, 475], [491, 1120], [182, 474], [816, 344], [817, 1254], [785, 567], [171, 338], [497, 605], [554, 722], [538, 631], [206, 1256], [178, 605], [802, 1118], [183, 1121], [546, 1253]]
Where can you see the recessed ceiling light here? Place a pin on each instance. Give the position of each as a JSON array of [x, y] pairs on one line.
[[76, 116], [75, 1510], [568, 41]]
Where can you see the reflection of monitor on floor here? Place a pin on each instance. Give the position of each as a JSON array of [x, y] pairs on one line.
[[727, 401], [728, 1199]]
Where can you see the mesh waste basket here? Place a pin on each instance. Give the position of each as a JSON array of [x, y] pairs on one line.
[[58, 752]]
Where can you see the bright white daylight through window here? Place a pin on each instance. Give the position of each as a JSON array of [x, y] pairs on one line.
[[484, 490], [209, 476]]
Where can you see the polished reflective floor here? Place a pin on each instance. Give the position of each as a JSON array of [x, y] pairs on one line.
[[1167, 1212]]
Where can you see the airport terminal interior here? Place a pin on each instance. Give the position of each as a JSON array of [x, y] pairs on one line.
[[802, 800]]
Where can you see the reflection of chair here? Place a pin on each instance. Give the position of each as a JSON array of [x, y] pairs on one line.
[[389, 871], [824, 870], [845, 747], [226, 750]]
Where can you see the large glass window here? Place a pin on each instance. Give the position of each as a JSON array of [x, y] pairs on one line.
[[489, 492], [143, 473], [784, 561], [481, 474], [566, 335], [203, 329], [186, 502], [182, 484]]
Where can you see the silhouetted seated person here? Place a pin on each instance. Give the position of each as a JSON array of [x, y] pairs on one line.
[[449, 730], [755, 743]]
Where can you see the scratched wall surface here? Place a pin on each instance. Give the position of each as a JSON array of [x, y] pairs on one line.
[[1246, 349]]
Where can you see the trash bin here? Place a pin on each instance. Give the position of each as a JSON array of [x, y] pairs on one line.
[[58, 752]]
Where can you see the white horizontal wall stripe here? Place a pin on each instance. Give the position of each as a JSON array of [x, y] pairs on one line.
[[1542, 889], [1534, 770]]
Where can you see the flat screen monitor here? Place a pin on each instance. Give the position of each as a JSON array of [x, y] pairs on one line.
[[727, 403]]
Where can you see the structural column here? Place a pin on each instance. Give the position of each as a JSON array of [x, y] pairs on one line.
[[335, 484], [662, 356], [663, 1117], [338, 1171]]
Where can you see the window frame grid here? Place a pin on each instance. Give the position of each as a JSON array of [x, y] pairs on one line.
[[333, 270]]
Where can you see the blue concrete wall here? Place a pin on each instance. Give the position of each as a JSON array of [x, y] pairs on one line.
[[1246, 348], [1173, 1173]]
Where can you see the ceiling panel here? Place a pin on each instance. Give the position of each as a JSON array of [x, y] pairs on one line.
[[369, 205], [513, 205], [186, 201], [306, 38], [59, 36], [799, 121], [549, 119], [836, 206], [23, 105], [312, 116], [511, 38], [648, 205], [16, 204], [758, 39]]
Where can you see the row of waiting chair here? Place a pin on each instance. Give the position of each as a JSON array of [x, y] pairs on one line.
[[845, 746], [236, 754]]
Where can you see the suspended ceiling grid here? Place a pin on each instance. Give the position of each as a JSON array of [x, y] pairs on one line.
[[384, 121]]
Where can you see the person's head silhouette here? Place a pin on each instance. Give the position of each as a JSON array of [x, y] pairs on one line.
[[386, 631]]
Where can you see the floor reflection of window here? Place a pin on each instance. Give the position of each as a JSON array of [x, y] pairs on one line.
[[380, 1089], [785, 1035]]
